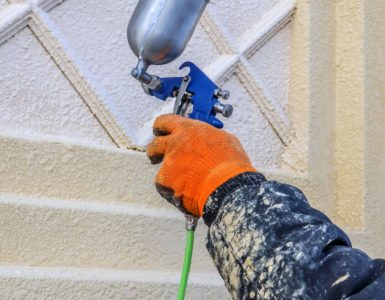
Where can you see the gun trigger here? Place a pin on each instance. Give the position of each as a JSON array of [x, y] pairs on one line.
[[182, 101]]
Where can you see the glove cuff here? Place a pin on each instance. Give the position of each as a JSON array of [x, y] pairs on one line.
[[217, 176], [216, 199]]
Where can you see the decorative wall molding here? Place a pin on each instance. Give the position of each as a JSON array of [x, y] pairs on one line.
[[13, 18], [261, 97], [235, 54], [233, 60], [18, 16], [267, 27], [78, 75]]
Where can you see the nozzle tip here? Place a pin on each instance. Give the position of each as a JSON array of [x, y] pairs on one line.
[[135, 73]]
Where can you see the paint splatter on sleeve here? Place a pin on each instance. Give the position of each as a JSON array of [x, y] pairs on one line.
[[268, 243]]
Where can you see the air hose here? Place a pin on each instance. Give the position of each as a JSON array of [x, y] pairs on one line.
[[191, 223]]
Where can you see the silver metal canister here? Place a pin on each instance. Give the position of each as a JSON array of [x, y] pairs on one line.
[[159, 30]]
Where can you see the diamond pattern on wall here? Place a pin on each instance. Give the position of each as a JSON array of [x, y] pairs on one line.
[[98, 37], [238, 16], [270, 68], [37, 100], [244, 41], [252, 129]]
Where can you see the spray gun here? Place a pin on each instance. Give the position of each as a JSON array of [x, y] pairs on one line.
[[158, 33]]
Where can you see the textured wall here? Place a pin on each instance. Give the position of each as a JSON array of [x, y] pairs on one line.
[[93, 36], [3, 3], [76, 191], [37, 100], [80, 217], [334, 105]]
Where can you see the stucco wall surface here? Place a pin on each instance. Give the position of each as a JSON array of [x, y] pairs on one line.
[[3, 3], [63, 284], [79, 215], [104, 50], [334, 107], [76, 204], [37, 100]]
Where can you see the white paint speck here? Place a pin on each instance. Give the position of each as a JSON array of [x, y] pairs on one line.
[[341, 279]]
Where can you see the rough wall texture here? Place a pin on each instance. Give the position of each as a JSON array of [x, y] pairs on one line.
[[335, 91], [308, 96], [3, 3], [373, 130], [37, 100]]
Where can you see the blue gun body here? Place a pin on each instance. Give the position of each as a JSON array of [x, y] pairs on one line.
[[200, 91]]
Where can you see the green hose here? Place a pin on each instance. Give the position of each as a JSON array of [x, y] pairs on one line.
[[186, 263]]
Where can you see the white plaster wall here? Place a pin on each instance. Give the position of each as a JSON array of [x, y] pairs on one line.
[[37, 100], [271, 66], [247, 115], [239, 16], [3, 3], [97, 32], [98, 36]]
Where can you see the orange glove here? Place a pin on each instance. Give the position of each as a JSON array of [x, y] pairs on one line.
[[197, 159]]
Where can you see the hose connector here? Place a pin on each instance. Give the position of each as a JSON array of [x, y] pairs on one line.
[[191, 222]]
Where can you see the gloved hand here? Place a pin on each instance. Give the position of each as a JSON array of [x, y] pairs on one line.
[[197, 158]]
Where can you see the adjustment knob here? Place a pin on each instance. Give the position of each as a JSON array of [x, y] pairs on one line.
[[224, 94], [225, 109]]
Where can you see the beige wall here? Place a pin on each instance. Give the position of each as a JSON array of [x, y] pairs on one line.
[[76, 195], [337, 107]]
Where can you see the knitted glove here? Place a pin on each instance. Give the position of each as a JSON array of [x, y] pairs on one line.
[[197, 158]]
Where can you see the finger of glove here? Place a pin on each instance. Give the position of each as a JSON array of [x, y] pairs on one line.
[[166, 124], [157, 149], [168, 194]]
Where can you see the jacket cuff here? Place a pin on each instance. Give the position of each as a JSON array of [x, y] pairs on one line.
[[216, 198]]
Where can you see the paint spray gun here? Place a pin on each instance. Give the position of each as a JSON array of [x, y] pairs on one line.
[[158, 33]]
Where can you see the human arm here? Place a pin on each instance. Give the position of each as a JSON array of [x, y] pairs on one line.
[[265, 239], [268, 243]]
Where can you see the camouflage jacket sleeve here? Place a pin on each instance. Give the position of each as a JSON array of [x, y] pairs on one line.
[[268, 243]]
